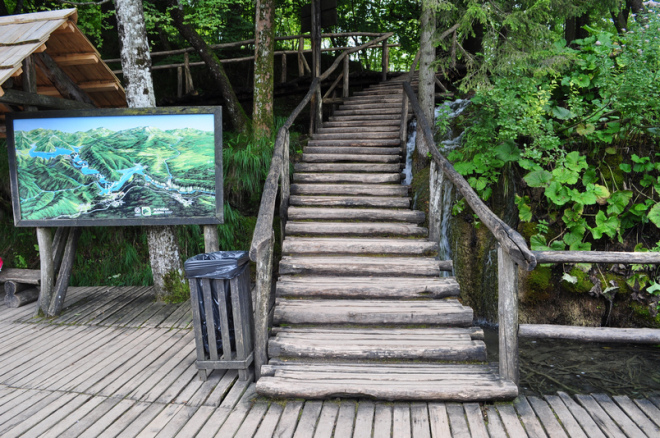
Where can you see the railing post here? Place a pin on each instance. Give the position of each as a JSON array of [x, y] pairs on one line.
[[264, 285], [301, 60], [344, 91], [403, 130], [285, 186], [385, 61], [507, 274]]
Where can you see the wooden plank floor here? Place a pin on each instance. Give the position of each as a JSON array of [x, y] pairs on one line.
[[100, 371]]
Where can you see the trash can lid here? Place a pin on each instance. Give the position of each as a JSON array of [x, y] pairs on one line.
[[220, 264]]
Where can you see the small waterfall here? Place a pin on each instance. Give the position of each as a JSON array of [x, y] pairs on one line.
[[410, 148]]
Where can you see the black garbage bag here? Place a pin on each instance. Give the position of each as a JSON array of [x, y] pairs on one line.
[[221, 265]]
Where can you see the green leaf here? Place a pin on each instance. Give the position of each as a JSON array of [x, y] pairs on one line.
[[569, 278], [654, 288], [557, 193], [538, 243], [610, 151], [618, 202], [558, 245], [538, 178], [562, 113], [605, 225], [464, 167], [565, 176], [654, 215], [575, 161], [580, 246], [625, 167], [584, 198], [587, 129], [602, 194], [589, 177], [507, 151], [573, 237], [582, 80]]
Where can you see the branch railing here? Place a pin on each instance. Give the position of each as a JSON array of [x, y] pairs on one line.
[[183, 68], [277, 181], [512, 249]]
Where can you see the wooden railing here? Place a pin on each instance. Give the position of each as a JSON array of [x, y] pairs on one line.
[[185, 78], [277, 181], [512, 250]]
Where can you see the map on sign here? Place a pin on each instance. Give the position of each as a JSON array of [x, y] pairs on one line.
[[132, 169]]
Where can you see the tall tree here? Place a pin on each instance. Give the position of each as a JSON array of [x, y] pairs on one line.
[[136, 64], [264, 46], [233, 107]]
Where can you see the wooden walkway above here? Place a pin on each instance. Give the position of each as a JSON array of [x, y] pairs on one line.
[[116, 364]]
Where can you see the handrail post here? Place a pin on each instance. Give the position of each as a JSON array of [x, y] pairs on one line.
[[301, 61], [385, 61], [264, 285], [285, 186], [403, 130], [507, 274], [344, 91]]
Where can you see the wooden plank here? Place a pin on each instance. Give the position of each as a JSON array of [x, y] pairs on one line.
[[58, 410], [350, 201], [457, 421], [345, 419], [401, 424], [30, 276], [136, 412], [288, 419], [269, 422], [355, 229], [364, 419], [507, 311], [23, 411], [600, 416], [528, 418], [107, 419], [382, 421], [619, 417], [221, 392], [591, 334], [649, 409], [197, 390], [17, 97], [366, 214], [419, 414], [637, 416], [495, 426], [172, 382], [301, 245], [83, 423], [238, 413], [439, 420], [333, 158], [511, 421], [576, 411], [308, 417], [547, 418], [475, 420], [252, 421], [195, 419], [363, 266], [160, 421]]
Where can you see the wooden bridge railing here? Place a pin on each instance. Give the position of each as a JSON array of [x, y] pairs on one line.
[[512, 251], [277, 181]]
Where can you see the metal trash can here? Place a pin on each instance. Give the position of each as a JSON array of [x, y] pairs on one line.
[[222, 311]]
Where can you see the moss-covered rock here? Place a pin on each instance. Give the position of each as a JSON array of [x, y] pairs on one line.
[[537, 285], [582, 285]]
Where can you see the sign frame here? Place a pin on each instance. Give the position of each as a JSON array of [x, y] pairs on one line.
[[150, 220]]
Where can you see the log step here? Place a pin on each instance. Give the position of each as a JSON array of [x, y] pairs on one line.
[[354, 214], [357, 142], [369, 344], [440, 382], [366, 130], [474, 332], [322, 135], [362, 124], [362, 178], [366, 117], [366, 288], [373, 99], [350, 201], [359, 105], [346, 167], [350, 189], [364, 266], [354, 229], [318, 245], [333, 158], [368, 111], [353, 150], [446, 312]]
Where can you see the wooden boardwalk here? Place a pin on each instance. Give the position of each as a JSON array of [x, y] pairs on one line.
[[117, 364]]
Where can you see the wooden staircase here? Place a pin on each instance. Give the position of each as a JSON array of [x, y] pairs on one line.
[[361, 309]]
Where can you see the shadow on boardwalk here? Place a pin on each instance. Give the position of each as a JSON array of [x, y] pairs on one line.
[[118, 364]]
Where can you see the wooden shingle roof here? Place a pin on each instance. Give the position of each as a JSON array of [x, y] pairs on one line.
[[56, 33]]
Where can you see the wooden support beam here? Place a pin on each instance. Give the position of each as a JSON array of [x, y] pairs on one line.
[[42, 48], [88, 87], [29, 79], [591, 334], [264, 286], [211, 243], [45, 240], [16, 97], [67, 27], [76, 59], [59, 292], [507, 312], [64, 85], [17, 73]]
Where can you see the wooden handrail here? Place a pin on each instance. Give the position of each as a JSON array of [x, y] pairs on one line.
[[510, 240], [651, 258]]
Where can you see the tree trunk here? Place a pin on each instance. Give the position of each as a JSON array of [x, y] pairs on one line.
[[426, 90], [264, 47], [232, 107], [136, 63]]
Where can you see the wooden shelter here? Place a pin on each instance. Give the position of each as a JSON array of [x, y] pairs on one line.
[[47, 63]]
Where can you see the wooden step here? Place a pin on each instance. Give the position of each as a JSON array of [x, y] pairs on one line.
[[353, 214], [445, 312], [367, 111], [370, 344], [364, 266], [350, 201], [347, 123], [329, 245], [383, 129], [359, 105], [361, 178], [380, 91], [366, 118], [345, 149], [365, 288], [357, 142], [383, 99], [346, 167], [354, 229], [441, 382], [474, 332], [356, 135], [352, 190], [367, 158]]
